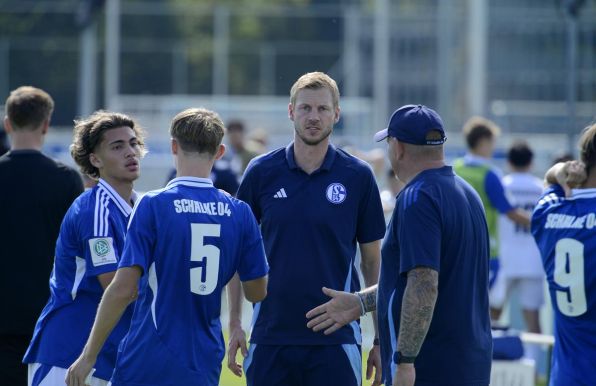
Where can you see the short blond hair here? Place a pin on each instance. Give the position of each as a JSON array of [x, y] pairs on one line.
[[314, 81], [198, 130], [477, 128]]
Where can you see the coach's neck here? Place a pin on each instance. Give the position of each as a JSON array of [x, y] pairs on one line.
[[416, 159], [309, 158]]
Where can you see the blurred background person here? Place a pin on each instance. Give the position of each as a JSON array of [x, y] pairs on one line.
[[258, 141], [476, 168], [389, 195], [239, 153], [36, 193], [520, 265]]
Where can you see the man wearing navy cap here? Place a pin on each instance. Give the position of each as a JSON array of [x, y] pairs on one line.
[[432, 302]]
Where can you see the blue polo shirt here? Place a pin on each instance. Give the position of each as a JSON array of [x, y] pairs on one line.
[[439, 222], [310, 226]]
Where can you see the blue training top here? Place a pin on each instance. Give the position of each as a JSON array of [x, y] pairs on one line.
[[438, 222], [564, 231], [189, 239], [310, 226], [90, 242]]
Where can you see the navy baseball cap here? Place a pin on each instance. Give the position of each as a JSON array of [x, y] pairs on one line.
[[416, 125]]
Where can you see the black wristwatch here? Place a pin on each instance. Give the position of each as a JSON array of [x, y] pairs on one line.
[[376, 342], [399, 358]]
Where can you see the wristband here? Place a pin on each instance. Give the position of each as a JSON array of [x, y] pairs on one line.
[[398, 358], [376, 342]]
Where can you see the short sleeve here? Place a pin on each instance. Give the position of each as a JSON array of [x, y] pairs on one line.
[[551, 198], [140, 237], [248, 189], [420, 234], [496, 193], [252, 263], [371, 220], [98, 242]]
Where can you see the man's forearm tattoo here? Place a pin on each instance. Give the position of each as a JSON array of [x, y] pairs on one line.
[[417, 309], [368, 299]]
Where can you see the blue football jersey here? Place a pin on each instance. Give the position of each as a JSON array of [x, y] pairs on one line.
[[89, 244], [563, 229], [311, 224], [189, 239]]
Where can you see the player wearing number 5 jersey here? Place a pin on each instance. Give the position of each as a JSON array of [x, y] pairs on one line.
[[184, 243], [563, 225]]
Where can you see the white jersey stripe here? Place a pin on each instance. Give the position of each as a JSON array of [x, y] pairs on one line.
[[96, 213], [115, 197], [79, 275], [153, 286], [106, 220], [102, 219]]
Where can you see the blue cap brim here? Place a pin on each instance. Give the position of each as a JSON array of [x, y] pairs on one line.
[[381, 135]]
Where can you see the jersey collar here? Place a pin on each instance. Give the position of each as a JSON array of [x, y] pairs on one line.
[[583, 193], [327, 162], [196, 182], [116, 198]]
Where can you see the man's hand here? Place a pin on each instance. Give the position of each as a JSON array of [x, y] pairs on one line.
[[237, 341], [572, 176], [79, 371], [343, 308], [405, 375], [569, 175], [374, 363]]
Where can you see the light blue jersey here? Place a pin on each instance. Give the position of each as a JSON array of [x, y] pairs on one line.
[[89, 244], [189, 239], [564, 231]]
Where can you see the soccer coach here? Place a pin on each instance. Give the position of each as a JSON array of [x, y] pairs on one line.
[[432, 301]]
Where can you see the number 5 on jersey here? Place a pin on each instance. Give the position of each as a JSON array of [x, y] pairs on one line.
[[203, 277]]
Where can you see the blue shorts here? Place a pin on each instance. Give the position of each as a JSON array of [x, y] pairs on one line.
[[268, 365]]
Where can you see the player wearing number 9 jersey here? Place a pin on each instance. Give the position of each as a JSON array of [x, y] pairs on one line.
[[183, 245], [564, 231]]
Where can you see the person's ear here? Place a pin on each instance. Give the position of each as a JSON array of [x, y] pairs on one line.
[[8, 126], [95, 160], [291, 111], [220, 151], [337, 111], [45, 126], [174, 146], [401, 150]]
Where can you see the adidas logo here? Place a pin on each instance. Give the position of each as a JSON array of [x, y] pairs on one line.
[[280, 194]]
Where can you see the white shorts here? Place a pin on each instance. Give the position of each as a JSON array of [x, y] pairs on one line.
[[54, 377], [530, 292]]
